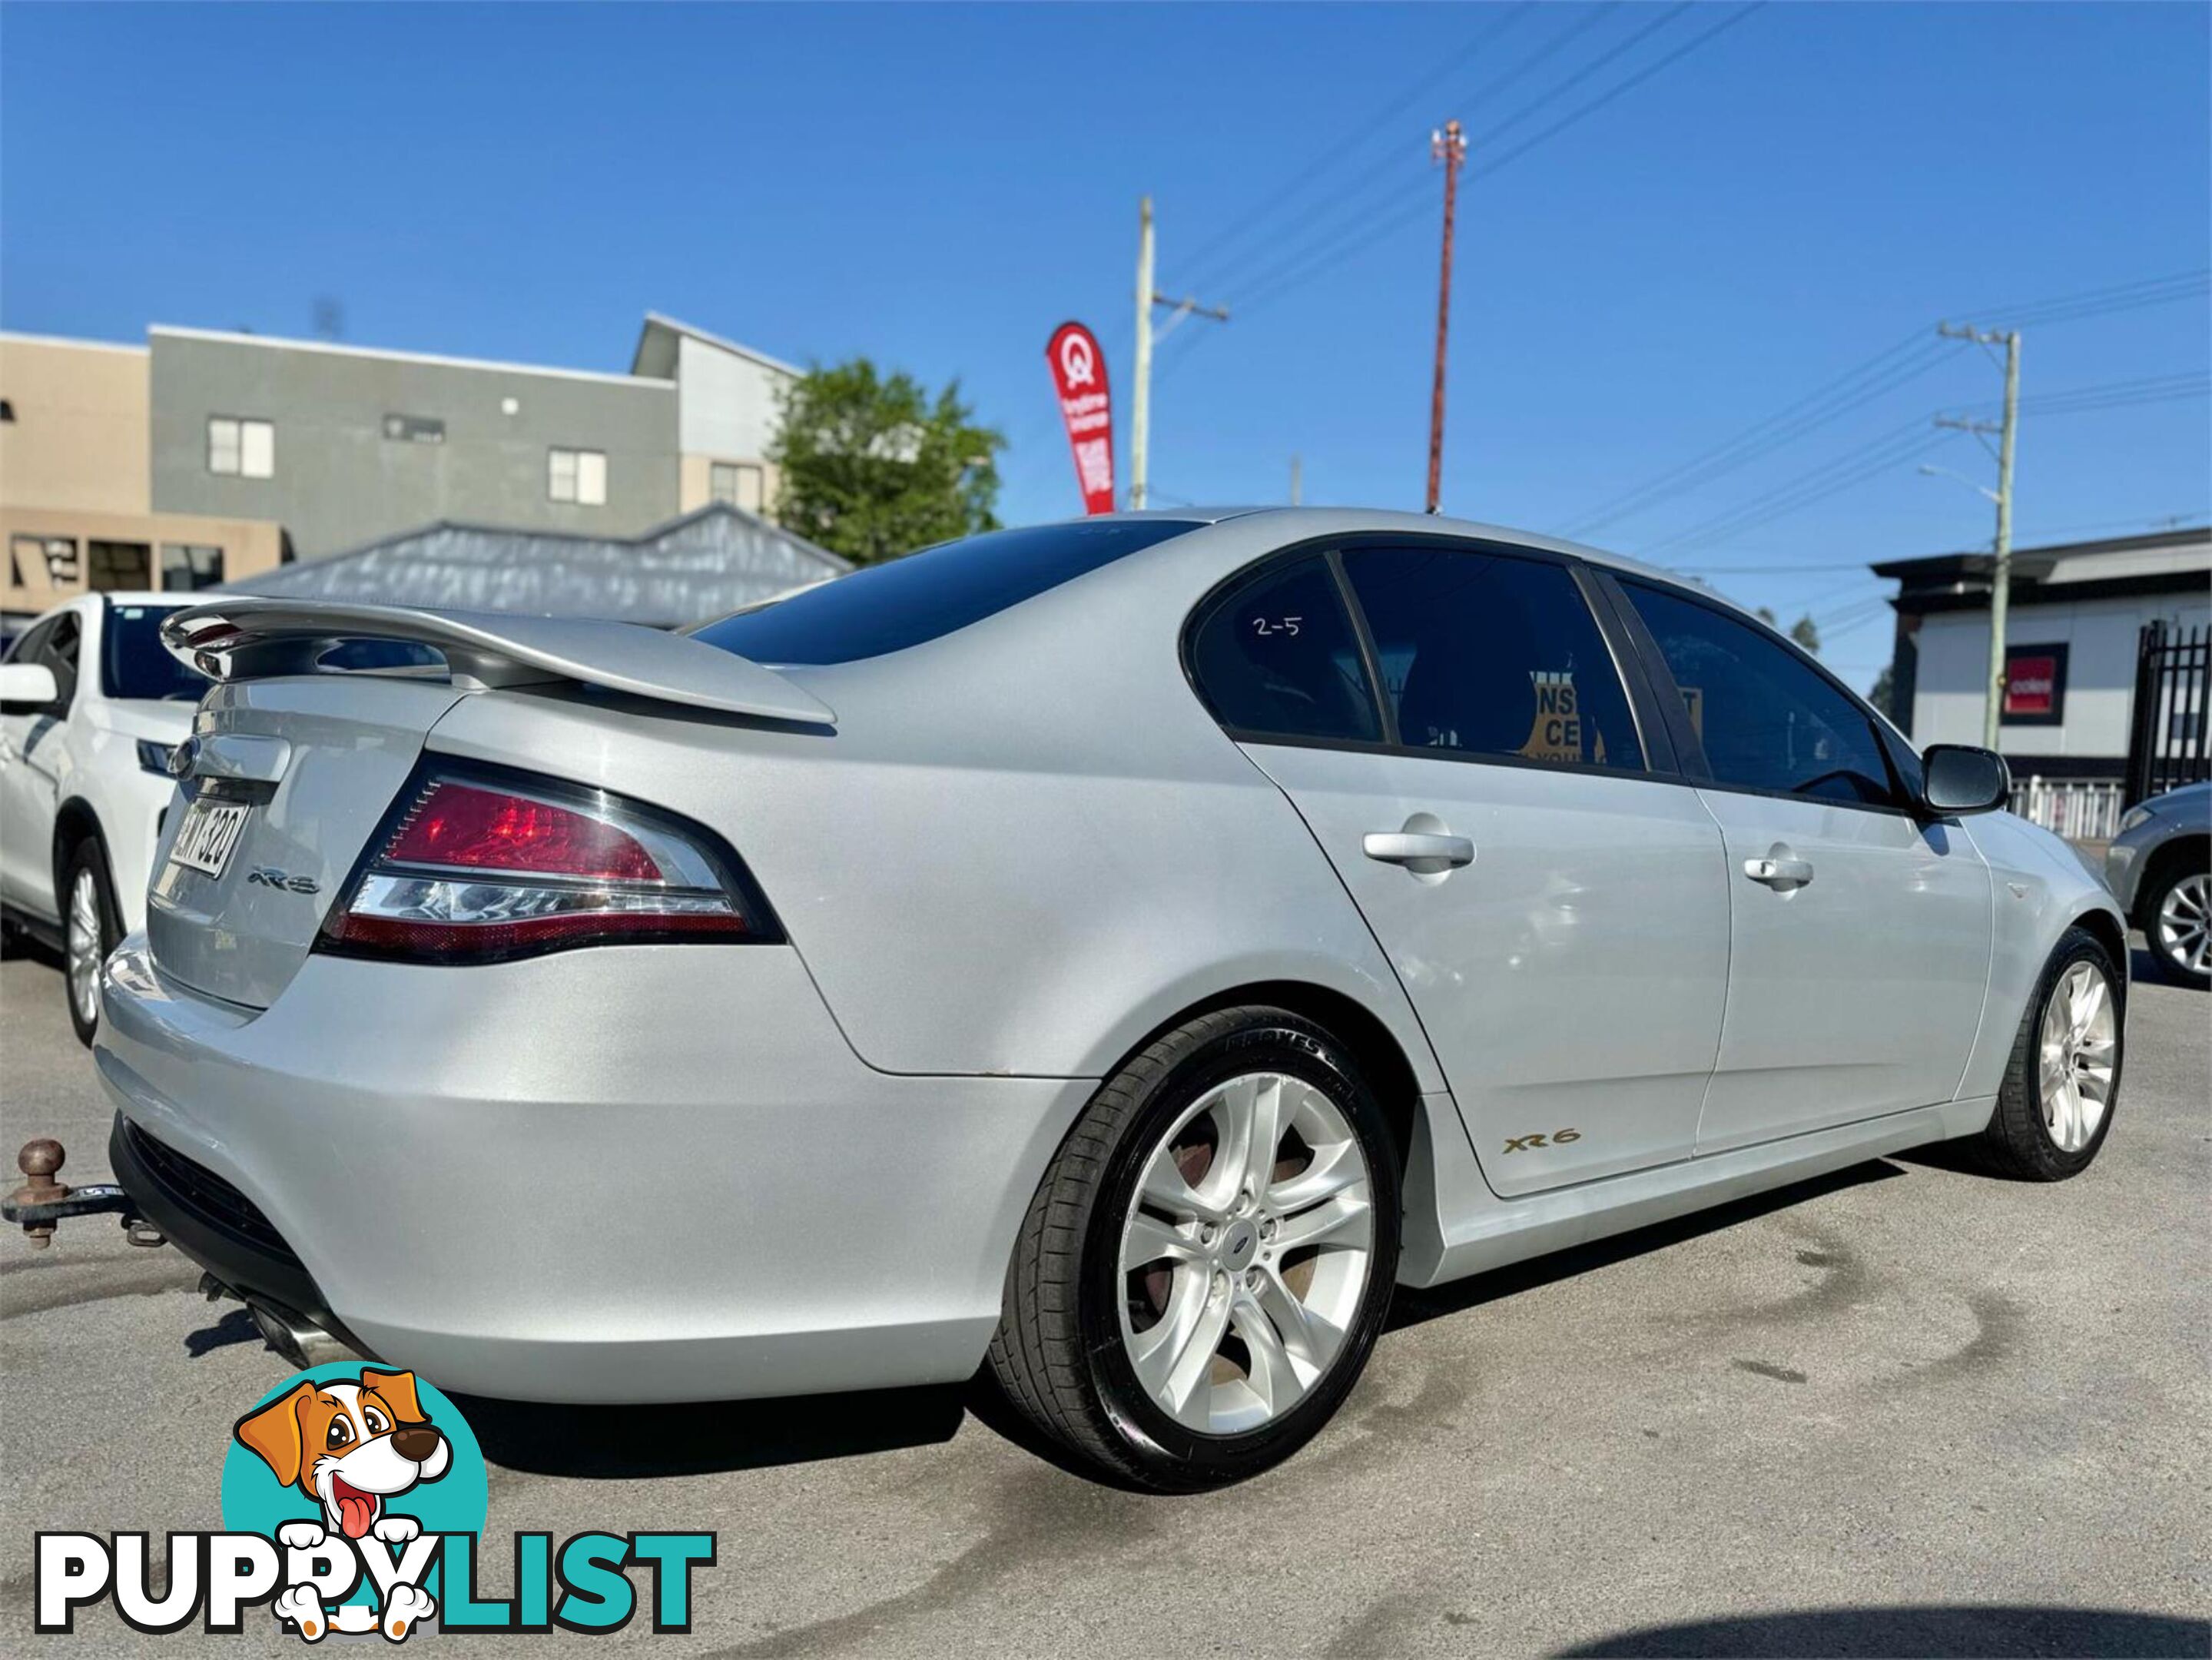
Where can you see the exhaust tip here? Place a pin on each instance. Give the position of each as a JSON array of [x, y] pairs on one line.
[[297, 1339]]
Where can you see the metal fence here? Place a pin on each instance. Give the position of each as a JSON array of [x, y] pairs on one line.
[[2170, 743], [2081, 810]]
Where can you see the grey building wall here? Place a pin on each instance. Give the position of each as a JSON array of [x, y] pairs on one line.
[[341, 478]]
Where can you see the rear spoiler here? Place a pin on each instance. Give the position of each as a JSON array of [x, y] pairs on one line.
[[249, 638]]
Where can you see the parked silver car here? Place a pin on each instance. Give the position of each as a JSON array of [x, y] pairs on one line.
[[1121, 951], [2160, 868]]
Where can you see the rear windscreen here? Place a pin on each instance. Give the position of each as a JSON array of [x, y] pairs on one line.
[[925, 595], [134, 663]]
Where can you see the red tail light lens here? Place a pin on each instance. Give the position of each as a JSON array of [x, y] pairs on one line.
[[478, 868], [461, 825]]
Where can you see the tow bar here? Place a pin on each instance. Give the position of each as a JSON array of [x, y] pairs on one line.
[[42, 1202]]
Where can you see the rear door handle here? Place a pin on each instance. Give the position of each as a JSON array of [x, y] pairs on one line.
[[1779, 872], [1423, 853]]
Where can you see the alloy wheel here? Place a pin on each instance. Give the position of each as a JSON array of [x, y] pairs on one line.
[[1245, 1254], [83, 945], [2183, 930], [2080, 1056]]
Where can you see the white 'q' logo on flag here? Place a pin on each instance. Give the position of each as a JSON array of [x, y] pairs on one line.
[[1076, 364]]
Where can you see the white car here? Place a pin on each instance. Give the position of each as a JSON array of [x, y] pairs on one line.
[[90, 707]]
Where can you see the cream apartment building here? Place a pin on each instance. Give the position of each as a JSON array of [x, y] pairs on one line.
[[76, 511]]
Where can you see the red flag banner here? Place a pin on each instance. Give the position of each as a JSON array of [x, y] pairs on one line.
[[1078, 375]]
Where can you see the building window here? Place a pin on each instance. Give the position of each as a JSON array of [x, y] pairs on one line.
[[414, 429], [186, 566], [578, 475], [240, 448], [736, 483], [126, 567], [57, 553]]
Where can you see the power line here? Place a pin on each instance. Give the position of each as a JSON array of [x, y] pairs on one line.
[[1298, 269], [1900, 444], [1305, 177], [1808, 413], [1392, 160], [1875, 378]]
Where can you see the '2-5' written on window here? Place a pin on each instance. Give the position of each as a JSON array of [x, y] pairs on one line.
[[578, 475], [240, 448]]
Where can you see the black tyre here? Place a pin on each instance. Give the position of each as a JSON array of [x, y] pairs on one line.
[[1210, 1256], [2177, 925], [2055, 1107], [90, 929]]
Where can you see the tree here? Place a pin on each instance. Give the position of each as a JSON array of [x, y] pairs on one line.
[[1884, 687], [1806, 635], [874, 468]]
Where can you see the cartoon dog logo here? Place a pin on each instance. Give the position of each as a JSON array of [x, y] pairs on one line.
[[349, 1447]]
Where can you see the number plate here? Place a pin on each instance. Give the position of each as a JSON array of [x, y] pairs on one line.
[[210, 830]]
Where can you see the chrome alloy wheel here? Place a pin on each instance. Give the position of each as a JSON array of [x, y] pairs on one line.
[[2079, 1055], [83, 945], [1246, 1253], [2184, 928]]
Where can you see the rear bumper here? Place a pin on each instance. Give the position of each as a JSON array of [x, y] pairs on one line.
[[654, 1173]]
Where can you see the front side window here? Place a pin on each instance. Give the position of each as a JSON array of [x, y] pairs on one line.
[[1767, 719], [578, 475], [59, 654], [242, 448], [1276, 656], [1486, 655]]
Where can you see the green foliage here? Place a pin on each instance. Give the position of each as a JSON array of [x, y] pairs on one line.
[[1806, 635], [874, 468], [1885, 687]]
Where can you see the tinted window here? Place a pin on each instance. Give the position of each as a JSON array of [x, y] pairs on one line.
[[134, 663], [887, 608], [1486, 655], [1277, 654], [1768, 720], [59, 654]]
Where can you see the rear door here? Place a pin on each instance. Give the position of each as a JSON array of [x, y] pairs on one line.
[[1860, 936], [1555, 909]]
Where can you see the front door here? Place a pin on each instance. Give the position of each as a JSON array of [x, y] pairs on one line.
[[1558, 918], [29, 774], [1860, 935]]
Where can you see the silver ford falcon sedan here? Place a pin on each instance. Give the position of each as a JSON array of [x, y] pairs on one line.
[[1115, 954]]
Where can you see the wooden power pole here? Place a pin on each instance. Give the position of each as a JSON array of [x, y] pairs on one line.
[[1449, 147]]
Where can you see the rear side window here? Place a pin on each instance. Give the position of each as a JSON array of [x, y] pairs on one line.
[[1768, 720], [927, 595], [1276, 656], [1486, 655]]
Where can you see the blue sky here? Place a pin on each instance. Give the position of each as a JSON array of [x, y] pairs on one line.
[[937, 187]]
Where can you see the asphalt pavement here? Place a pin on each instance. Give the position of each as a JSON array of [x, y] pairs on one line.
[[1907, 1409]]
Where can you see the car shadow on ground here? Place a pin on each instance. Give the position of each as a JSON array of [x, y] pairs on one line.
[[621, 1443], [1994, 1631], [1413, 1307], [705, 1438]]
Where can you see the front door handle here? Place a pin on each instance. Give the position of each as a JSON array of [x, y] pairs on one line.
[[1419, 852], [1778, 872]]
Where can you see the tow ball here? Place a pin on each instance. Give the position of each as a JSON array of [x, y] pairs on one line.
[[43, 1202]]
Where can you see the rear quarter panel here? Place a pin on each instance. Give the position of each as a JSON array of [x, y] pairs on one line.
[[1024, 847]]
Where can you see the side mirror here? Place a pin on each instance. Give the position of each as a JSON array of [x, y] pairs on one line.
[[27, 689], [1961, 779]]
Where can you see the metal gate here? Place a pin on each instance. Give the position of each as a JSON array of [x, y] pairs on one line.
[[2167, 744]]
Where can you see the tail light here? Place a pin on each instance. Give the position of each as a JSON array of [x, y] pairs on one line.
[[477, 866]]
